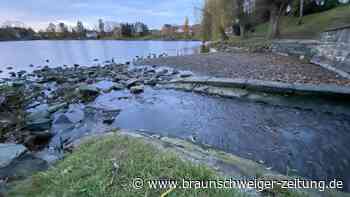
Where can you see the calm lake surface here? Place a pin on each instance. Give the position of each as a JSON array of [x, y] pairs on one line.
[[21, 54]]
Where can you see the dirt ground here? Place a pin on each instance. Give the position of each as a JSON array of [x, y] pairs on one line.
[[261, 66]]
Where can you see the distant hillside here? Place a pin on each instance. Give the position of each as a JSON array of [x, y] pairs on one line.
[[312, 24]]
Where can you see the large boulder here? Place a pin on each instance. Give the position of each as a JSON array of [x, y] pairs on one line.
[[9, 152], [88, 92], [39, 124], [56, 107], [39, 119]]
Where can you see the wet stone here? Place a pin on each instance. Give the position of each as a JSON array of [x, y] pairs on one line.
[[62, 119], [23, 167], [38, 119], [137, 89], [55, 108], [109, 116], [39, 124], [9, 152], [186, 74], [88, 92], [132, 82]]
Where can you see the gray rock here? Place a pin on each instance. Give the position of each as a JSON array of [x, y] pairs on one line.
[[23, 167], [45, 155], [161, 71], [21, 73], [9, 152], [151, 82], [137, 89], [12, 74], [63, 119], [132, 82], [39, 124], [107, 86], [55, 108], [18, 83], [117, 86], [75, 114], [88, 89], [186, 74], [39, 112], [88, 92], [38, 119], [109, 116]]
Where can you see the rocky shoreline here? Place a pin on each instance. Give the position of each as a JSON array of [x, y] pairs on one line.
[[35, 107]]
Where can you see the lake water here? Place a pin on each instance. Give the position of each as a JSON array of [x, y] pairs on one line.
[[291, 141], [21, 54]]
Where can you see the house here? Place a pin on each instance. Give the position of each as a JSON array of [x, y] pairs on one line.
[[140, 29], [195, 30], [180, 29], [168, 30], [155, 32], [91, 34]]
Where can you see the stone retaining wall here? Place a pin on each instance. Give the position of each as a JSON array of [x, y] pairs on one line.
[[331, 52]]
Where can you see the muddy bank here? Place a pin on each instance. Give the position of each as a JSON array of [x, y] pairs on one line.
[[38, 110]]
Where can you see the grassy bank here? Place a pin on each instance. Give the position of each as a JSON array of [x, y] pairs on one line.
[[156, 37], [107, 167], [312, 25]]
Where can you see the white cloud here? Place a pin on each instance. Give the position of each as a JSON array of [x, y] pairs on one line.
[[38, 13]]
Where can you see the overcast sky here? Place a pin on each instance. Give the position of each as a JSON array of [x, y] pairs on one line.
[[155, 13]]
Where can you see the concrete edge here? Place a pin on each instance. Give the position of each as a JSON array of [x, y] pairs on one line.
[[269, 86], [327, 65]]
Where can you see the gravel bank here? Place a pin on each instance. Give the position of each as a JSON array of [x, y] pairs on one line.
[[261, 66]]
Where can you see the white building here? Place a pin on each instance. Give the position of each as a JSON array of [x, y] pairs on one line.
[[91, 34]]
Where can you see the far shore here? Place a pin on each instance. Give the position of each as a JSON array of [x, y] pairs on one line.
[[106, 39]]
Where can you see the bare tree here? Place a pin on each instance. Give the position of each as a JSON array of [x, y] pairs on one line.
[[301, 12], [277, 8], [241, 16], [186, 27], [51, 28]]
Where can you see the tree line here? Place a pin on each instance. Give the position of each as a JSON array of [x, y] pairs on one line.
[[79, 31], [243, 15]]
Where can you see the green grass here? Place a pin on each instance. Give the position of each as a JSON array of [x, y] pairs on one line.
[[312, 25], [89, 172]]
